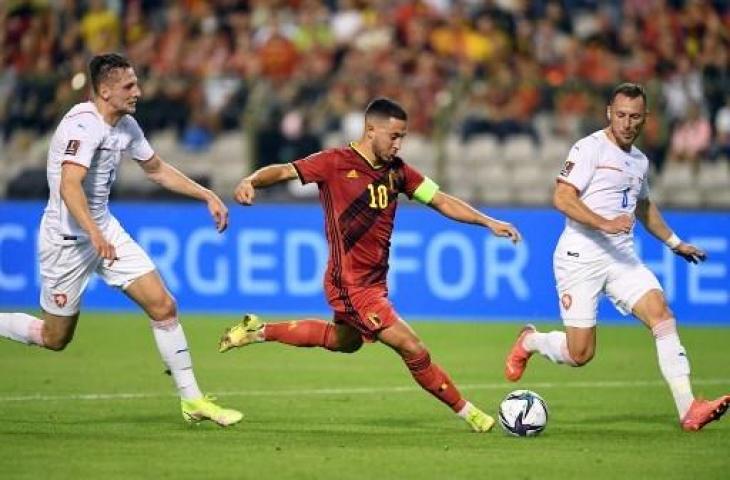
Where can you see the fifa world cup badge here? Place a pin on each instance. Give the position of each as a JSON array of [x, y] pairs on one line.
[[567, 168]]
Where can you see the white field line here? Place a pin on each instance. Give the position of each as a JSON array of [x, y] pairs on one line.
[[357, 390]]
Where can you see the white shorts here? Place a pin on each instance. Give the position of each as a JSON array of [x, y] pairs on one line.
[[580, 285], [66, 269]]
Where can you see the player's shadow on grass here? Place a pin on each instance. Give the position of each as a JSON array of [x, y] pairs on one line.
[[118, 418], [621, 425]]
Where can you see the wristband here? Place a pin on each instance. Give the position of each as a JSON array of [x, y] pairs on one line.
[[673, 241]]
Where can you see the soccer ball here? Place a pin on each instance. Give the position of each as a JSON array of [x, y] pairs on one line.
[[523, 413]]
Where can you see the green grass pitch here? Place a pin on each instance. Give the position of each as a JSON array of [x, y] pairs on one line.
[[103, 409]]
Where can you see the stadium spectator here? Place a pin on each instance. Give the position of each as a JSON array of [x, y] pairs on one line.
[[691, 138], [430, 53], [721, 147], [100, 28]]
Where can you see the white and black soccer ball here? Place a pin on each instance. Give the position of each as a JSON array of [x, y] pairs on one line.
[[523, 413]]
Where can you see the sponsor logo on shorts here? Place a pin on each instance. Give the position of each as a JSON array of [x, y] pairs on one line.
[[60, 299], [374, 319], [567, 168], [72, 148], [566, 300]]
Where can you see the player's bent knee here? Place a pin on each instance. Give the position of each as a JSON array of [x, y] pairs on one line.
[[580, 355], [350, 345], [656, 307], [163, 309], [349, 340], [56, 343], [582, 359]]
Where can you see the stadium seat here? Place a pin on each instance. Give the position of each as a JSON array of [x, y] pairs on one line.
[[534, 195], [677, 176], [519, 148], [299, 191], [554, 151], [685, 198], [714, 175], [718, 198], [482, 149], [421, 153]]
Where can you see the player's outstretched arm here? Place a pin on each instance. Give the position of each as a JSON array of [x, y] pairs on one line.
[[170, 178], [262, 178], [457, 209], [72, 193], [567, 201], [649, 215]]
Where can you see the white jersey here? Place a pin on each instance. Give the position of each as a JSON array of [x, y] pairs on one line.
[[84, 138], [609, 181]]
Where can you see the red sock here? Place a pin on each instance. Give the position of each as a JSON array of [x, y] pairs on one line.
[[309, 332], [434, 380]]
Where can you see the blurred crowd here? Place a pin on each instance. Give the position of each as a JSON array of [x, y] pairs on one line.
[[291, 71]]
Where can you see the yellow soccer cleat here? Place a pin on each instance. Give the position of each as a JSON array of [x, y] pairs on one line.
[[247, 331], [479, 421], [203, 408]]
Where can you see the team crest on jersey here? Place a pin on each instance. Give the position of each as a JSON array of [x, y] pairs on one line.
[[72, 148], [566, 300], [567, 168], [352, 174], [374, 319], [60, 299]]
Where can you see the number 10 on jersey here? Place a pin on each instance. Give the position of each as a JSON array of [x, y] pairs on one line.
[[378, 196]]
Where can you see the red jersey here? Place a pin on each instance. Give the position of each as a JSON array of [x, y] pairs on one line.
[[359, 203]]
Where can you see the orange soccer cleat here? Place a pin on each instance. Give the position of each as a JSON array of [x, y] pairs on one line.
[[702, 412], [516, 361]]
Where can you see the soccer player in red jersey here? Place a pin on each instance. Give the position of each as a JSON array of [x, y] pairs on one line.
[[358, 190]]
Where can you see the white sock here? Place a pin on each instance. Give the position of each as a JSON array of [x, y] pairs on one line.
[[173, 347], [465, 410], [551, 345], [22, 328], [673, 364]]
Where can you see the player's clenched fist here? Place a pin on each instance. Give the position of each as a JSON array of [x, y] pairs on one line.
[[105, 249], [621, 224], [244, 193]]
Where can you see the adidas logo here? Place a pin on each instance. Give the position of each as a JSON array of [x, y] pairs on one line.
[[352, 174]]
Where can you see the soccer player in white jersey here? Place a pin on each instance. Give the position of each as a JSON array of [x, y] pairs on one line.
[[601, 189], [79, 236]]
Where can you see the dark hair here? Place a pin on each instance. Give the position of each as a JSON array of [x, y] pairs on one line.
[[631, 90], [102, 66], [385, 108]]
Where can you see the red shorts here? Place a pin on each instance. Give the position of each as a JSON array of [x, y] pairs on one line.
[[367, 309]]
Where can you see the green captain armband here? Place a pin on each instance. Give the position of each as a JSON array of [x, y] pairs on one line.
[[426, 191]]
